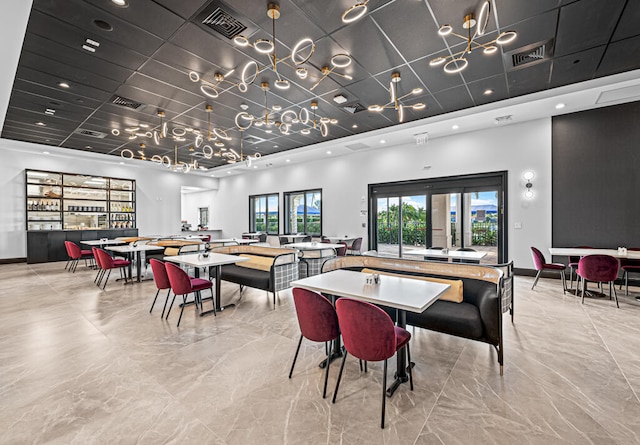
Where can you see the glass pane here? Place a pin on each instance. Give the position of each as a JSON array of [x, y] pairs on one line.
[[116, 195], [84, 193], [295, 207], [260, 215], [122, 184], [387, 220], [445, 224], [414, 222], [81, 221], [314, 216], [481, 215], [35, 177], [272, 206]]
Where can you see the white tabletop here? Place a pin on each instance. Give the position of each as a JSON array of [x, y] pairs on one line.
[[295, 236], [128, 248], [199, 260], [106, 242], [574, 251], [402, 293], [233, 240], [313, 246], [341, 238], [457, 254]]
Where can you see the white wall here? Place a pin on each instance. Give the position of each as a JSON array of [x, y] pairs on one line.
[[191, 203], [158, 194], [344, 180]]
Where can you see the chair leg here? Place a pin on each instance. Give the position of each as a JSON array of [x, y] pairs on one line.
[[335, 391], [213, 302], [583, 289], [536, 280], [107, 279], [571, 279], [154, 301], [166, 300], [626, 283], [67, 265], [384, 393], [611, 286], [564, 282], [170, 306], [326, 377], [184, 303], [295, 357]]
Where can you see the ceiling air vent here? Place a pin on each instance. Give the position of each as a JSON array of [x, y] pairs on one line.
[[354, 107], [529, 55], [503, 119], [124, 102], [223, 23], [357, 146], [91, 133]]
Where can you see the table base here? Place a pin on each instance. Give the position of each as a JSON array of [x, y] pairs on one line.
[[334, 356], [399, 380]]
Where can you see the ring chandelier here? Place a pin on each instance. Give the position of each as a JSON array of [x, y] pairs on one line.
[[395, 103], [457, 62]]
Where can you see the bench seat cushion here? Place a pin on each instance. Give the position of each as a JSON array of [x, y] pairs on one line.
[[258, 279], [256, 262], [461, 319]]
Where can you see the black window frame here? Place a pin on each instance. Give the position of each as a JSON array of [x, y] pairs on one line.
[[304, 193], [252, 213]]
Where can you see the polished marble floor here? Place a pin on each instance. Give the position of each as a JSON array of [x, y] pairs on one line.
[[79, 365]]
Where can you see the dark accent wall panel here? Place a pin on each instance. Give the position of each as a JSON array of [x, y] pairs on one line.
[[596, 177]]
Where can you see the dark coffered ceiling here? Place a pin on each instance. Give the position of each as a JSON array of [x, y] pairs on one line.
[[147, 49]]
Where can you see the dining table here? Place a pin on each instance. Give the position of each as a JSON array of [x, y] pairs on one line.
[[133, 253], [102, 242], [580, 252], [233, 241], [313, 255], [447, 254], [338, 238], [208, 260], [403, 294]]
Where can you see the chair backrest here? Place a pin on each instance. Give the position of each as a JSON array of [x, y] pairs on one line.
[[73, 250], [206, 238], [306, 239], [357, 244], [461, 260], [602, 268], [341, 251], [180, 281], [159, 274], [262, 238], [367, 331], [106, 262], [538, 258], [283, 240], [466, 249], [96, 256], [316, 315], [325, 240]]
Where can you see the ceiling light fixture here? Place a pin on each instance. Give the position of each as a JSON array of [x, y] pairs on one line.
[[63, 85], [339, 99], [212, 88], [560, 106], [457, 62], [300, 54], [41, 124], [355, 12], [455, 126], [337, 61], [120, 3], [488, 92], [395, 103]]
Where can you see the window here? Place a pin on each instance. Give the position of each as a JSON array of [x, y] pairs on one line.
[[203, 217], [263, 214], [303, 212]]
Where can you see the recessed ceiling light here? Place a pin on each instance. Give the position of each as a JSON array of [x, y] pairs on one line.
[[339, 99], [560, 106], [288, 160], [120, 3], [455, 126], [46, 153], [89, 147], [42, 124], [91, 49], [50, 111], [275, 146], [122, 163], [354, 126], [328, 152], [255, 166], [228, 173], [488, 91], [213, 176], [92, 42], [382, 141], [63, 84]]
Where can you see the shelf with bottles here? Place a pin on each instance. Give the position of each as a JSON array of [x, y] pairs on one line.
[[43, 205], [122, 217], [121, 207], [123, 224]]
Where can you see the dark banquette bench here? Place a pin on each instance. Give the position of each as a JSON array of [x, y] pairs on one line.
[[477, 315], [269, 268]]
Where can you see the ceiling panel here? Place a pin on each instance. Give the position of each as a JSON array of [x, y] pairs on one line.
[[152, 46]]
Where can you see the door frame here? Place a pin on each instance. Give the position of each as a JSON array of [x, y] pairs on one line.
[[449, 184]]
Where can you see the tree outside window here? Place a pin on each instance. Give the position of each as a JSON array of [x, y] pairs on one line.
[[304, 212], [264, 213]]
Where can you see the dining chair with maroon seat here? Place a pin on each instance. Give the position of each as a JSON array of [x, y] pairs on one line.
[[629, 266], [573, 264], [161, 280], [355, 247], [600, 269], [75, 255], [318, 322], [541, 265], [183, 284], [368, 333], [108, 263], [341, 251], [100, 273]]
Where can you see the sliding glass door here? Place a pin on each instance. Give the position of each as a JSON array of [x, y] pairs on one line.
[[454, 213]]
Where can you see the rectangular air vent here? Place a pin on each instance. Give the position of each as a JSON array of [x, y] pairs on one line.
[[357, 146], [354, 107], [91, 133], [529, 55], [124, 102], [223, 23]]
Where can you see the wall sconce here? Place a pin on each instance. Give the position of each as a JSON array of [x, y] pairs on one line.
[[528, 176]]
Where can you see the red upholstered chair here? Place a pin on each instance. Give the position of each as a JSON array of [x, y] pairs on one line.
[[318, 322], [75, 255], [541, 264], [601, 269], [355, 247], [341, 251], [183, 284], [573, 264], [369, 334], [107, 263], [161, 279], [629, 266], [100, 273]]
